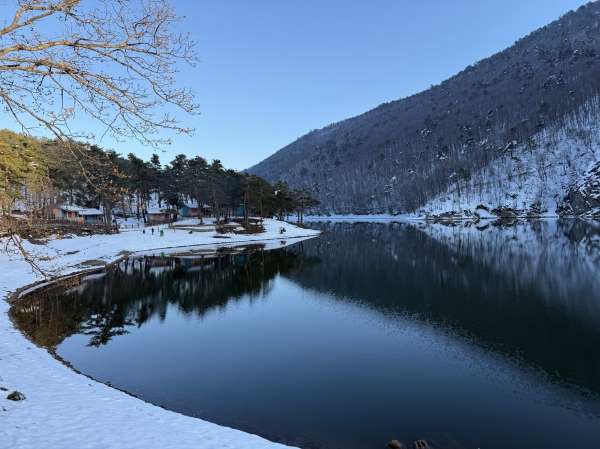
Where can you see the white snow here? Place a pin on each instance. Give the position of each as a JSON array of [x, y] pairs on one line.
[[81, 210], [542, 172], [66, 410]]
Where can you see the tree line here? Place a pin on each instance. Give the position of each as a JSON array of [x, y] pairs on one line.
[[38, 174]]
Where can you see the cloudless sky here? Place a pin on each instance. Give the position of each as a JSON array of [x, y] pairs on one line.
[[272, 70]]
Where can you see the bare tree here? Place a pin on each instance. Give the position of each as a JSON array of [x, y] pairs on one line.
[[112, 60]]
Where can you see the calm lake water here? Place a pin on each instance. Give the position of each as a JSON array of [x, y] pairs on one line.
[[468, 337]]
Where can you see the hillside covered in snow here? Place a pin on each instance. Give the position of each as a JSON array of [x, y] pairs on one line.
[[517, 130], [556, 172]]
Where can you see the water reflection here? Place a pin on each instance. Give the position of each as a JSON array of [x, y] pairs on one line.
[[136, 290], [464, 335], [531, 290]]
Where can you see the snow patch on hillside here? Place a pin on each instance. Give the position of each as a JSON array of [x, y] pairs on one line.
[[531, 178]]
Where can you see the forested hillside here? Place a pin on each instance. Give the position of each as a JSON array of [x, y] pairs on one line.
[[403, 154], [554, 173]]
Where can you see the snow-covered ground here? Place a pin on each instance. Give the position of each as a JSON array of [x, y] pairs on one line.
[[540, 172], [66, 410], [133, 223]]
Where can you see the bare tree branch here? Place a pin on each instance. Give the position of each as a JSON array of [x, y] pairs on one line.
[[114, 61]]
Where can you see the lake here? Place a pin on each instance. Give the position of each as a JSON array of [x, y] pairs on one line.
[[478, 335]]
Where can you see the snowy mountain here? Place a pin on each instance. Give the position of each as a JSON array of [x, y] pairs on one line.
[[556, 172], [517, 130]]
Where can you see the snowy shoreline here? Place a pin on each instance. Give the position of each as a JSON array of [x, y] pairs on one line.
[[64, 409]]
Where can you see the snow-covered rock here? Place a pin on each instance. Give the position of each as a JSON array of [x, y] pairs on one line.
[[584, 198]]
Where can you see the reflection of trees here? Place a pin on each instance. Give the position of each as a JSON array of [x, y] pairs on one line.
[[105, 325], [142, 288], [528, 292]]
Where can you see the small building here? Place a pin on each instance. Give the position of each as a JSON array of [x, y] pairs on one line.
[[77, 214], [92, 216], [189, 210], [158, 216]]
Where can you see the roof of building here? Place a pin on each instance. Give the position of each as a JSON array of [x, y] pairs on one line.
[[193, 204], [91, 212], [156, 210], [81, 210]]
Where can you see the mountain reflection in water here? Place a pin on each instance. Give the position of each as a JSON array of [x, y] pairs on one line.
[[475, 335]]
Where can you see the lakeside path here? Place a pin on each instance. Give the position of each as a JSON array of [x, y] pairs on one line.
[[67, 410]]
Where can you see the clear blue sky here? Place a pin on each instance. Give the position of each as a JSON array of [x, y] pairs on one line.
[[272, 70]]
